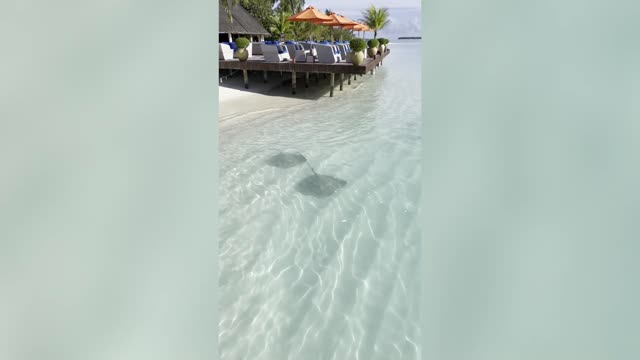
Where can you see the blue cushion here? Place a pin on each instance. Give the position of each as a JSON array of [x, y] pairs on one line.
[[233, 46], [289, 42]]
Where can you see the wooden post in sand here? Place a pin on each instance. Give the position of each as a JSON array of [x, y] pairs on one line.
[[306, 79], [246, 78], [265, 76], [331, 84], [293, 81], [341, 80], [349, 79]]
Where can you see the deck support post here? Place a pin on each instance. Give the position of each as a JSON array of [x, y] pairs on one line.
[[265, 76], [317, 78], [293, 82], [332, 77], [306, 79], [341, 80], [246, 78], [349, 79]]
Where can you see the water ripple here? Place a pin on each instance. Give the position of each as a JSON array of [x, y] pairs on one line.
[[324, 278]]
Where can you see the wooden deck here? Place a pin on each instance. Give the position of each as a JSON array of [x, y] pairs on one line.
[[257, 63]]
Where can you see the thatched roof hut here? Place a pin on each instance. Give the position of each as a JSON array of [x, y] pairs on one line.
[[243, 23]]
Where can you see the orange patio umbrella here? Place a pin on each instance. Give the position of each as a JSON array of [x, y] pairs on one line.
[[310, 14], [339, 20], [359, 27]]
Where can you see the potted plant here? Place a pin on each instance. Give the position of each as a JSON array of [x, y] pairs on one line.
[[242, 44], [373, 48], [357, 54], [383, 44]]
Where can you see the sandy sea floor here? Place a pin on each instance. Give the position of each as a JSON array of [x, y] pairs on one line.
[[319, 237]]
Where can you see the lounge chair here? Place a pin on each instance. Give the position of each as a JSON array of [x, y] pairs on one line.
[[328, 54], [336, 49], [311, 46], [275, 53], [296, 51], [226, 52], [345, 52], [257, 48]]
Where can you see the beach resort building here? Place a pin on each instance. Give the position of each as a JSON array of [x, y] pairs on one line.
[[243, 24]]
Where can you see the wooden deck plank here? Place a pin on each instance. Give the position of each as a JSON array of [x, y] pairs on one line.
[[257, 64]]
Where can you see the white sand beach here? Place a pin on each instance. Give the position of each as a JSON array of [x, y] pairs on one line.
[[234, 100]]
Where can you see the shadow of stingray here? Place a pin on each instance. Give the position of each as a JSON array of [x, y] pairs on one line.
[[286, 160], [319, 186]]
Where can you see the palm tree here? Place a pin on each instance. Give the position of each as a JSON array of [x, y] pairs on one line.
[[280, 25], [376, 19], [228, 5], [292, 6]]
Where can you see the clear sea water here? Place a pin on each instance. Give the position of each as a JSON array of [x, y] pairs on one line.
[[313, 278]]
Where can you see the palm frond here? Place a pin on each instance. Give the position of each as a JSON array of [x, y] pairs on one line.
[[228, 5]]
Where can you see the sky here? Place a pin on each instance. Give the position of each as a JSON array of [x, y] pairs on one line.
[[361, 4], [405, 14]]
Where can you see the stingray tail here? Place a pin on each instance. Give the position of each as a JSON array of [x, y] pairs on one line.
[[305, 159], [314, 172], [309, 165]]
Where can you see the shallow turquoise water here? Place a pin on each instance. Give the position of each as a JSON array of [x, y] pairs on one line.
[[334, 277]]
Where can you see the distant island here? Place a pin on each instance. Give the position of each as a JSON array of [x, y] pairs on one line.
[[409, 37]]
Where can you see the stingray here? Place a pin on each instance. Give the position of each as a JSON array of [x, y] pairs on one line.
[[314, 185], [286, 160], [319, 186]]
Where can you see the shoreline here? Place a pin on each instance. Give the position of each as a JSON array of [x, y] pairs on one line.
[[235, 101]]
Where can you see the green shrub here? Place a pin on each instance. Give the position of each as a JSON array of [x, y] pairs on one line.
[[373, 43], [242, 43], [383, 41], [357, 45]]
